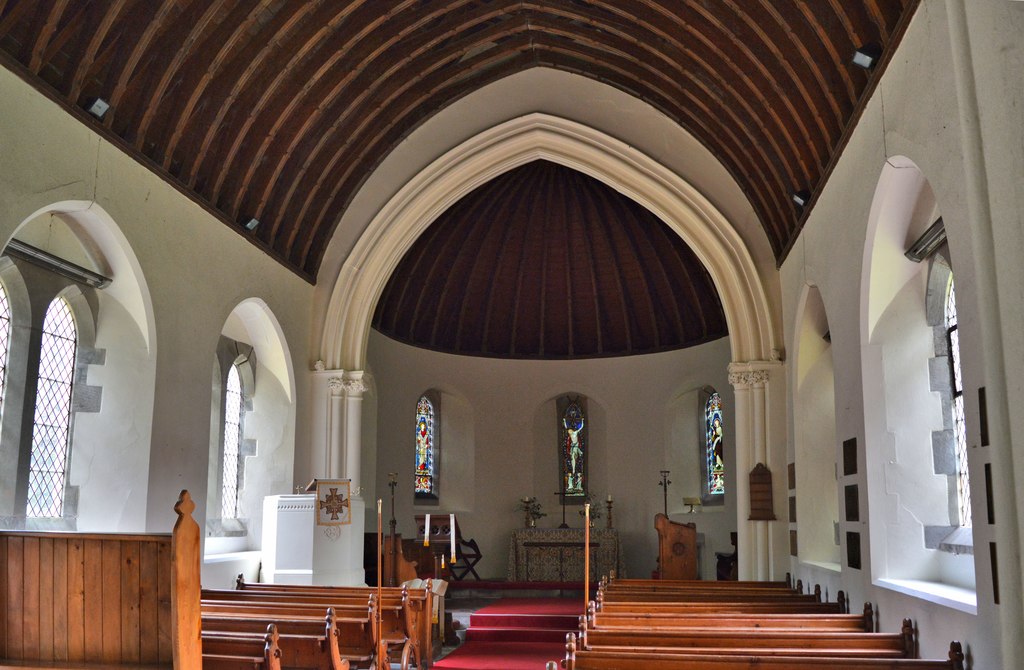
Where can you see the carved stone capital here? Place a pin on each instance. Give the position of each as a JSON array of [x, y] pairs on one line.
[[748, 377], [319, 366], [355, 386], [336, 385]]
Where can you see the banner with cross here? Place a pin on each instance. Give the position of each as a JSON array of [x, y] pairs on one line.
[[332, 502]]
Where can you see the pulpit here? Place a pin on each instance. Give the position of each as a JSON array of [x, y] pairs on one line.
[[297, 551], [677, 548]]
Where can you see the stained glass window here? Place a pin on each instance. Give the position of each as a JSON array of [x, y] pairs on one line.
[[51, 428], [713, 445], [963, 482], [426, 484], [232, 441], [573, 450]]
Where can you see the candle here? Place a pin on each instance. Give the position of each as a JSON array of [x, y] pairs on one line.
[[426, 532], [451, 533], [609, 497]]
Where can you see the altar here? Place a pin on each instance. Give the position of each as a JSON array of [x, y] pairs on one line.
[[556, 554]]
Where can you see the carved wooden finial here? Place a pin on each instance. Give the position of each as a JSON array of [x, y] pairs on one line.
[[240, 582], [869, 618], [907, 631], [956, 655], [817, 592], [799, 586], [185, 505], [272, 638], [841, 599]]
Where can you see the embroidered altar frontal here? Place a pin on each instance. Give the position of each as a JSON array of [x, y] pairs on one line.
[[556, 554]]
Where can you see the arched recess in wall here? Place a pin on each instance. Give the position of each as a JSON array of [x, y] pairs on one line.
[[511, 144], [253, 344], [814, 421], [115, 366], [910, 450]]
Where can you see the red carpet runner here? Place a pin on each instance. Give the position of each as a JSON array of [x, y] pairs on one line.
[[516, 634]]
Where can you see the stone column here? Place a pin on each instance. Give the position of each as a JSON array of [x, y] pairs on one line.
[[335, 463], [750, 382], [352, 437]]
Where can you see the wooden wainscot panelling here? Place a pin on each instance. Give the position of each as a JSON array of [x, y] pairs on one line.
[[106, 598], [761, 494]]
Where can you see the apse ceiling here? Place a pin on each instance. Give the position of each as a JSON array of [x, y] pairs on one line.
[[278, 110], [546, 262]]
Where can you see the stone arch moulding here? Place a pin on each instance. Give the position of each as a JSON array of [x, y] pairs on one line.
[[516, 142], [89, 220]]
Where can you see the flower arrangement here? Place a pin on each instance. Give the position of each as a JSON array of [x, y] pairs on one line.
[[595, 510], [531, 509]]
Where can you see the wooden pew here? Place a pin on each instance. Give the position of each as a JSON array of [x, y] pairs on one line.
[[418, 610], [105, 598], [353, 628], [398, 625], [582, 659], [226, 651], [751, 641], [658, 620], [305, 641]]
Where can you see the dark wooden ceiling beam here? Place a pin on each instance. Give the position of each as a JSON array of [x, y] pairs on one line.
[[322, 30], [46, 34], [178, 121], [149, 33], [250, 64], [429, 86], [96, 38], [155, 99], [286, 119]]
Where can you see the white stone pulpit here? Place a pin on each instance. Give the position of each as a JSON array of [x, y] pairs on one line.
[[297, 551]]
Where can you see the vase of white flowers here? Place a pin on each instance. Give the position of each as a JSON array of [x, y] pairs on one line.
[[531, 510]]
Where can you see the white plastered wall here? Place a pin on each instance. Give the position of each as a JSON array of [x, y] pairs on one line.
[[946, 102], [197, 271], [499, 441]]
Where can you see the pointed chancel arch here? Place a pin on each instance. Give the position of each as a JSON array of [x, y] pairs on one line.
[[682, 207]]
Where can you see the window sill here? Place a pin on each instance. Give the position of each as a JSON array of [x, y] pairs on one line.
[[947, 595], [824, 565]]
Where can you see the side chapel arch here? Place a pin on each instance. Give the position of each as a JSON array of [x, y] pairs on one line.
[[541, 136]]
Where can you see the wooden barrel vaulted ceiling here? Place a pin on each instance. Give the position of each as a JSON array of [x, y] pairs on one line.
[[277, 110], [546, 262]]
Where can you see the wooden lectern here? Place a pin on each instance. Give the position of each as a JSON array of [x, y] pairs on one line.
[[677, 548]]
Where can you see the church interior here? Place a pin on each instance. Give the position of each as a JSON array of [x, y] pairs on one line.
[[751, 265]]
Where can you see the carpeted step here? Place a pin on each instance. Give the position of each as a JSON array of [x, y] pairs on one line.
[[502, 656], [564, 622], [531, 635]]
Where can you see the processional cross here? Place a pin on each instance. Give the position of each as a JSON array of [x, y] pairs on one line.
[[665, 481]]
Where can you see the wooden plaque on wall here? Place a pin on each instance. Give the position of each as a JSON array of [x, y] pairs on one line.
[[761, 494]]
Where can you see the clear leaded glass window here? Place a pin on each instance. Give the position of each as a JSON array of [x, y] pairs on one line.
[[713, 445], [426, 484], [963, 482], [51, 429], [232, 440]]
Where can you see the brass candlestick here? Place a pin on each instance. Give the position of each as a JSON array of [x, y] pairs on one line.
[[608, 504]]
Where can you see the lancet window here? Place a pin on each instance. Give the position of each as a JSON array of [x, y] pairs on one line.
[[426, 449], [713, 450]]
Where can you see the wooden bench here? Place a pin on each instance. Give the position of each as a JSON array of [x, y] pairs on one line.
[[418, 607], [305, 641], [643, 660], [657, 620], [102, 598], [420, 600], [353, 628], [227, 651], [397, 625], [750, 641]]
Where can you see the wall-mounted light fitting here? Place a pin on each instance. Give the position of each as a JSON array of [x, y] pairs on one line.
[[930, 240], [55, 264], [98, 108], [867, 56], [801, 198], [251, 224]]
